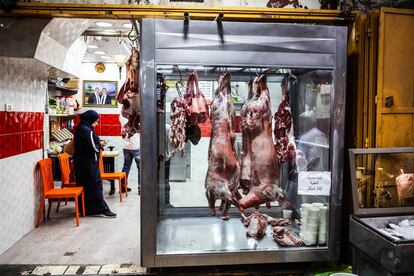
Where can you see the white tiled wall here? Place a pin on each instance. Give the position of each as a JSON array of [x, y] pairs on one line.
[[111, 73], [23, 84]]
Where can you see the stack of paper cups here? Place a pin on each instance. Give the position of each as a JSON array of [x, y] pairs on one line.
[[310, 225], [304, 216], [323, 210]]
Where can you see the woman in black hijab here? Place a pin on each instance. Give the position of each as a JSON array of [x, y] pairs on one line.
[[86, 158]]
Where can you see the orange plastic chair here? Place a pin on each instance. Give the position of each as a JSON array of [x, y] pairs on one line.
[[65, 175], [65, 170], [120, 176], [50, 192]]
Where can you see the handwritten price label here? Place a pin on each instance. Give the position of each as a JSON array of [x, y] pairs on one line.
[[314, 183]]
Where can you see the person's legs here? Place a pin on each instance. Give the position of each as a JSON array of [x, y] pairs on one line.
[[94, 200], [137, 158], [128, 156]]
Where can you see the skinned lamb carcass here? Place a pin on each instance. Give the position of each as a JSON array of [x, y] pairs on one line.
[[245, 154], [264, 186], [222, 177], [129, 97]]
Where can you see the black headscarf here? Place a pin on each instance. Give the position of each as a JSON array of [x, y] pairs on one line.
[[90, 116]]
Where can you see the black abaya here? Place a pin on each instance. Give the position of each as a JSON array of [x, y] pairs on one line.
[[87, 172]]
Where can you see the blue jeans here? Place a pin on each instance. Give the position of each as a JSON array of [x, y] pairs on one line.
[[130, 155]]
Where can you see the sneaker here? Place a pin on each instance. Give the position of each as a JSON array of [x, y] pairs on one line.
[[108, 214], [128, 189], [111, 192]]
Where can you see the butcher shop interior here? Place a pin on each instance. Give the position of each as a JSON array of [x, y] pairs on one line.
[[221, 141]]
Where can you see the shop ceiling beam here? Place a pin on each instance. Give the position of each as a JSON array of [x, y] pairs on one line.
[[176, 12]]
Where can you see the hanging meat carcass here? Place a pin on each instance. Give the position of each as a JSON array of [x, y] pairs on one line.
[[198, 108], [129, 97], [178, 117], [285, 143], [264, 180], [222, 177], [245, 154]]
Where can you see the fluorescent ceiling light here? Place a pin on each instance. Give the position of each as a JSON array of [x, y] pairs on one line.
[[93, 46], [105, 57], [103, 24], [127, 25], [120, 59], [109, 31], [100, 52]]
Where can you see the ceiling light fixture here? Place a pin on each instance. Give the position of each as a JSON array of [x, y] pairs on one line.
[[100, 52], [105, 57], [127, 25], [93, 46], [109, 31], [120, 61], [103, 24]]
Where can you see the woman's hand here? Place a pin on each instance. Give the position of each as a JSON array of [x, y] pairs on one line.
[[103, 143]]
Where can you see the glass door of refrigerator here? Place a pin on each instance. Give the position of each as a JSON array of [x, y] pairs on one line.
[[185, 224]]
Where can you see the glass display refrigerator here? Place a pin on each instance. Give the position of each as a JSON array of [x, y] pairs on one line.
[[242, 129], [382, 227]]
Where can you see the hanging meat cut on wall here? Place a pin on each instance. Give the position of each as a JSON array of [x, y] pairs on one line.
[[178, 117], [245, 154], [222, 177], [264, 180], [197, 104], [285, 143], [129, 97]]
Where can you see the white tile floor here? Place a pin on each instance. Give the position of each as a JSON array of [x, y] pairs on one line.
[[95, 241]]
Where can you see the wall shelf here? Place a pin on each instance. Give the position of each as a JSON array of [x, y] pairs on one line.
[[63, 90]]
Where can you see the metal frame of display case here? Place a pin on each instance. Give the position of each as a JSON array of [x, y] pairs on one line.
[[374, 253], [237, 44], [364, 212]]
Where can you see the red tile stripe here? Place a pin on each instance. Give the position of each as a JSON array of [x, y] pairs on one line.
[[20, 132], [109, 125]]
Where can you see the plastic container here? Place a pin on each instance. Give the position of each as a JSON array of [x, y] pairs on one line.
[[312, 220], [313, 212], [287, 214], [312, 228], [317, 204]]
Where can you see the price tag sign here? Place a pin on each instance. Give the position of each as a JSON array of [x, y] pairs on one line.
[[314, 183], [207, 88]]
